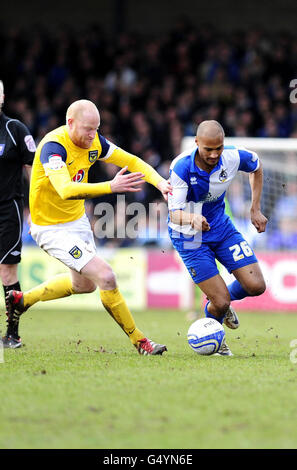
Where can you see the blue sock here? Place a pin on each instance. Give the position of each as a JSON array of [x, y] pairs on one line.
[[209, 315], [236, 291]]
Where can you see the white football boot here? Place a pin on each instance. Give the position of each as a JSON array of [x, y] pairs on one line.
[[231, 319], [224, 350]]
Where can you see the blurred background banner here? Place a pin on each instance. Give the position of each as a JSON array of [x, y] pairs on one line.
[[168, 284], [151, 278], [147, 278], [280, 273]]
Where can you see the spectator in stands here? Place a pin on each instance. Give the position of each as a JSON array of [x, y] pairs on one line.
[[152, 91], [285, 236]]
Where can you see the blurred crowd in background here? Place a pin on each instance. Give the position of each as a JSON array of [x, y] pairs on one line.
[[152, 91]]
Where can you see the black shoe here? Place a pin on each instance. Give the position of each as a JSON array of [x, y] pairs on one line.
[[11, 342], [15, 307], [15, 303]]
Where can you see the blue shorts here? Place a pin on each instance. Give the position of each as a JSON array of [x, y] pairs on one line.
[[232, 251]]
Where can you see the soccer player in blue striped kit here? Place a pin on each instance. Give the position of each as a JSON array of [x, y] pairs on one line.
[[202, 232]]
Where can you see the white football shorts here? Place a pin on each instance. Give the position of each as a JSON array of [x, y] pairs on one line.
[[71, 243]]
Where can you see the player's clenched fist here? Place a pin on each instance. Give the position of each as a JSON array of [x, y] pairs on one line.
[[199, 222], [131, 182], [258, 220]]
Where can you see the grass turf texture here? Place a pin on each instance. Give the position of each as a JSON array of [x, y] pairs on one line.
[[78, 383]]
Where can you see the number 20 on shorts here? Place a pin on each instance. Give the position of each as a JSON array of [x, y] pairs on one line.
[[241, 250]]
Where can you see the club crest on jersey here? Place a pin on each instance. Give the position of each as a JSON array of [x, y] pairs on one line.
[[75, 252], [79, 176], [223, 175], [2, 147], [93, 155]]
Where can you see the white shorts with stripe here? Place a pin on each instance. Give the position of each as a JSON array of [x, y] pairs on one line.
[[71, 243]]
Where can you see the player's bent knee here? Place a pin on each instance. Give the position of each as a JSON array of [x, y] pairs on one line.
[[89, 289], [85, 288], [107, 280], [259, 289], [221, 305], [256, 289]]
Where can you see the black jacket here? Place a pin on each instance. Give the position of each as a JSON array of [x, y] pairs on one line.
[[17, 148]]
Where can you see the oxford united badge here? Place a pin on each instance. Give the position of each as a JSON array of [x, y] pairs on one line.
[[75, 252], [93, 155]]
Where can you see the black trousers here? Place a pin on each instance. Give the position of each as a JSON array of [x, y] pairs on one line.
[[11, 226]]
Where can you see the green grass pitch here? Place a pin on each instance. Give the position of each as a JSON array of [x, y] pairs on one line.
[[78, 383]]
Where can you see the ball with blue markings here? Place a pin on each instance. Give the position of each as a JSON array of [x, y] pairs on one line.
[[205, 336]]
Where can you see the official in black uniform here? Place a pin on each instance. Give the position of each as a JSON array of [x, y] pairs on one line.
[[17, 148]]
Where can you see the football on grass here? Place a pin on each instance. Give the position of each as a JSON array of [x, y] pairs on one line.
[[205, 336]]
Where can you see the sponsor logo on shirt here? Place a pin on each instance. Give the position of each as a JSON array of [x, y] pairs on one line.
[[93, 155], [210, 198], [193, 180], [79, 176]]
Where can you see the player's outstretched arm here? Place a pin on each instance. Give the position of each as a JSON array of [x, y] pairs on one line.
[[67, 189], [126, 183], [165, 187], [256, 182], [133, 163]]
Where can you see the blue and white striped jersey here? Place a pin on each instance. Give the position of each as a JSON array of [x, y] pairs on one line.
[[195, 190]]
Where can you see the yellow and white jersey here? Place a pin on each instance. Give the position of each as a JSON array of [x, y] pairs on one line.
[[46, 206], [59, 176]]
